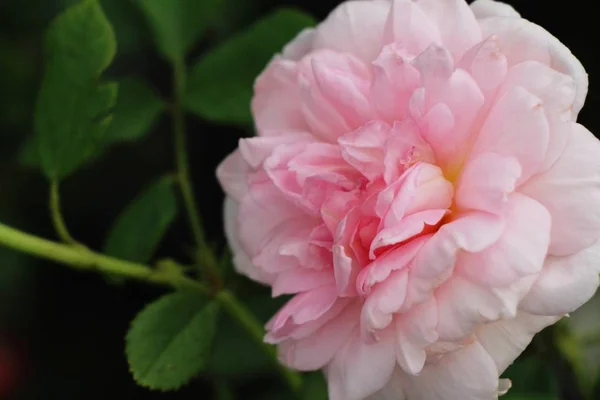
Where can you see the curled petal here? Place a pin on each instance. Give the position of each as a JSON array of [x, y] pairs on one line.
[[505, 340], [570, 190]]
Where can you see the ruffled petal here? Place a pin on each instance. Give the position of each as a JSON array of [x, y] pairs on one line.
[[354, 27], [359, 370], [486, 182], [519, 252], [505, 340], [241, 261], [565, 283], [517, 127], [466, 374]]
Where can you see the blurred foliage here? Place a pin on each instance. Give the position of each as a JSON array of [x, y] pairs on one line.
[[62, 334]]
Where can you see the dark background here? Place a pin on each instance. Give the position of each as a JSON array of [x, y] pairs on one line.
[[61, 332]]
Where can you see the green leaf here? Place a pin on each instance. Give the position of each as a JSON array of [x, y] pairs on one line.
[[137, 108], [220, 84], [169, 341], [138, 230], [315, 387], [177, 24], [73, 109]]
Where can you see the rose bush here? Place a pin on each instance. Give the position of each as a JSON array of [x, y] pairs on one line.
[[421, 187]]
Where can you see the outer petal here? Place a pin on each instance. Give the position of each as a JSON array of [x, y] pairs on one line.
[[276, 102], [505, 340], [411, 27], [466, 374], [416, 330], [381, 304], [315, 351], [394, 389], [359, 370], [300, 46], [354, 27], [458, 27], [571, 192], [565, 283], [232, 174], [241, 261], [522, 40], [491, 8], [516, 126]]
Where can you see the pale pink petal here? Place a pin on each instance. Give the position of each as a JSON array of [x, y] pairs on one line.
[[416, 330], [300, 280], [517, 127], [487, 65], [505, 340], [410, 27], [522, 40], [404, 147], [434, 264], [358, 370], [395, 79], [276, 104], [395, 259], [447, 130], [334, 93], [354, 27], [262, 210], [565, 283], [457, 25], [301, 45], [519, 252], [241, 261], [256, 150], [557, 92], [302, 308], [315, 351], [486, 182], [364, 148], [385, 299], [571, 192], [232, 174], [463, 305], [492, 8], [410, 226], [394, 389], [466, 374]]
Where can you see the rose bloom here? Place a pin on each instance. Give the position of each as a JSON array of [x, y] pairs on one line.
[[420, 186]]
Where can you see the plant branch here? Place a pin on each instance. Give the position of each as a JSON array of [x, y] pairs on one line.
[[59, 224], [206, 255], [82, 258]]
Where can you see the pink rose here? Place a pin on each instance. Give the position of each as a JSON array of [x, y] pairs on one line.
[[421, 187]]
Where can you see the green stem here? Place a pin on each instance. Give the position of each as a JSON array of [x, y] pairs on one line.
[[185, 181], [57, 219], [256, 331], [84, 259]]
